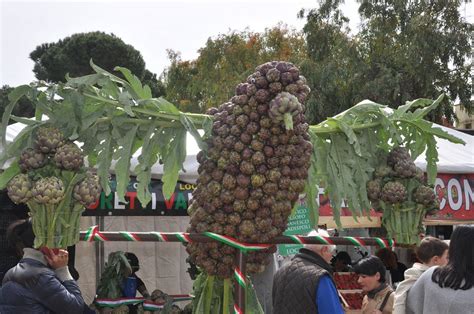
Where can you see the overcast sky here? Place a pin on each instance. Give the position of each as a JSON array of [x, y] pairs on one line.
[[150, 26]]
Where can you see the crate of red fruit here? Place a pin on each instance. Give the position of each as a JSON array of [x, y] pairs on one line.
[[346, 281], [350, 291], [353, 300]]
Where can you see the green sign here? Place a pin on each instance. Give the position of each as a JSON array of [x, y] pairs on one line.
[[299, 223]]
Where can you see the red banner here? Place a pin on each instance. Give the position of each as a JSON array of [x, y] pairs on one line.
[[455, 194], [456, 197]]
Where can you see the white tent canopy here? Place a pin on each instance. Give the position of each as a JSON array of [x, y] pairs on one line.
[[453, 158]]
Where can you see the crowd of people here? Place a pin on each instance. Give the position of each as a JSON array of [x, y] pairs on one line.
[[442, 281]]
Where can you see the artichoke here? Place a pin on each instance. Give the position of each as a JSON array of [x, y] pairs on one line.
[[31, 159], [48, 139], [383, 171], [69, 157], [420, 176], [394, 192], [424, 195], [397, 154], [374, 188], [48, 190], [284, 103], [87, 192], [404, 168], [19, 189]]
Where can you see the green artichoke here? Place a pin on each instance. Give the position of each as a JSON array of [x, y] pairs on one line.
[[374, 188], [397, 154], [69, 157], [424, 195], [48, 139], [87, 192], [48, 190], [383, 171], [283, 103], [19, 189], [31, 159], [394, 192], [404, 168], [420, 176]]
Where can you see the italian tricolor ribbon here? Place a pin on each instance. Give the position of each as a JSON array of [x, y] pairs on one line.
[[93, 233], [237, 310], [322, 240], [245, 247], [130, 236], [356, 241], [240, 277], [117, 302], [297, 239], [383, 243], [163, 236], [150, 306]]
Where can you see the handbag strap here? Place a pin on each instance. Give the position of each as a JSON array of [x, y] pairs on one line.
[[385, 300]]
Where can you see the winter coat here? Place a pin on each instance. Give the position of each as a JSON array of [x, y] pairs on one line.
[[427, 297], [32, 287], [411, 276], [369, 305], [295, 283]]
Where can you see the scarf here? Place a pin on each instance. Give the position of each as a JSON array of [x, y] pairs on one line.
[[372, 293]]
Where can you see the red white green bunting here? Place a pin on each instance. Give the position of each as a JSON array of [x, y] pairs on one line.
[[89, 234], [237, 310], [296, 239], [130, 236], [322, 240], [183, 237], [384, 243], [112, 303], [245, 247], [240, 277], [150, 306], [163, 236], [356, 241], [391, 242], [93, 233]]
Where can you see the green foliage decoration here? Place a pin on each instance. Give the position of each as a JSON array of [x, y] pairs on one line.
[[115, 117]]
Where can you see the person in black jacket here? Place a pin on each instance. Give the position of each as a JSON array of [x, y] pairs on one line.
[[40, 283], [305, 284]]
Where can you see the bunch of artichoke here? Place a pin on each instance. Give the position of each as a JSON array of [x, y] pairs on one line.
[[52, 170], [399, 190], [255, 167]]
